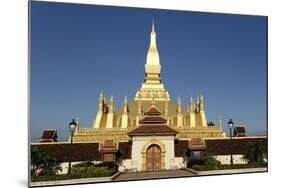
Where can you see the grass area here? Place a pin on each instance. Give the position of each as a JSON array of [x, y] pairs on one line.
[[82, 170], [227, 167]]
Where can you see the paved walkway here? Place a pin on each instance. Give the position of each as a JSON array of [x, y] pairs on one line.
[[232, 171], [153, 175]]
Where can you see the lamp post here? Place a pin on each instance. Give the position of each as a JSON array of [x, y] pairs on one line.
[[72, 127], [230, 126]]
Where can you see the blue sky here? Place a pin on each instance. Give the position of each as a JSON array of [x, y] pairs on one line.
[[79, 50]]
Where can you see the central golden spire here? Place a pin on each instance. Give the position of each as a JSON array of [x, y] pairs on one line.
[[152, 88], [152, 54]]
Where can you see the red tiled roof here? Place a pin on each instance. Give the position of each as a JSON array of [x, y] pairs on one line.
[[157, 130], [152, 110], [49, 135], [239, 132]]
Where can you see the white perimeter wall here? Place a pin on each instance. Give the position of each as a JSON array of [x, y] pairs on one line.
[[64, 166], [225, 159]]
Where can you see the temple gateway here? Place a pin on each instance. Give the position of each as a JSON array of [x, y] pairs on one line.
[[151, 132]]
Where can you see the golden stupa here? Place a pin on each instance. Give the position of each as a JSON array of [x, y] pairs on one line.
[[114, 125]]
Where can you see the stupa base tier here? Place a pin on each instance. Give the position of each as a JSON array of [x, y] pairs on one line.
[[118, 134]]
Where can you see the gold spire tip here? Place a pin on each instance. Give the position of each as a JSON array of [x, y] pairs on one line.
[[153, 25]]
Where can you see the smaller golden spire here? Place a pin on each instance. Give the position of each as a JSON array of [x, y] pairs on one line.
[[201, 102], [101, 101], [179, 105], [111, 104], [125, 99], [101, 95], [125, 110], [197, 105], [201, 96], [220, 123], [78, 124], [191, 105]]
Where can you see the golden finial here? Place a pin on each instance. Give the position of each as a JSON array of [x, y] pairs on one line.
[[201, 96], [125, 110], [101, 94], [153, 25], [179, 100], [191, 100], [125, 99]]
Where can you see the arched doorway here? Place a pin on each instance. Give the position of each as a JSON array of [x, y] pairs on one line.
[[153, 158]]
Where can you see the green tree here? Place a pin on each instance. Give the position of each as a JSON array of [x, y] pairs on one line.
[[42, 163], [254, 152], [210, 123], [119, 157]]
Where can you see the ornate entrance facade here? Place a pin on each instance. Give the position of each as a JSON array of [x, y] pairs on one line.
[[153, 158]]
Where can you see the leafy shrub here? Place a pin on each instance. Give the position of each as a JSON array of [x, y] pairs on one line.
[[79, 170], [108, 164], [212, 162], [54, 177], [82, 170], [191, 161], [211, 166], [119, 157], [202, 160], [94, 171], [203, 163], [196, 167], [239, 166], [78, 173], [203, 168]]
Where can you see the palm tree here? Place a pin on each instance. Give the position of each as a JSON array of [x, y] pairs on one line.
[[254, 152], [42, 163]]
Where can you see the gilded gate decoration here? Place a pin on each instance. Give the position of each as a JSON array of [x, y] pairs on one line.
[[162, 154], [153, 158]]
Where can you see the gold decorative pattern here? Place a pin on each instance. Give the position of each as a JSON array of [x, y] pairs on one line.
[[153, 158], [145, 148]]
